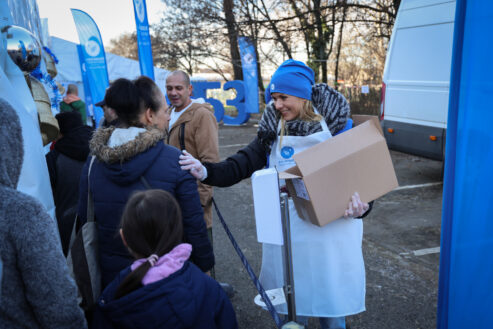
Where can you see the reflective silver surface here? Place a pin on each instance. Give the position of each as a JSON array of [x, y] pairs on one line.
[[22, 47]]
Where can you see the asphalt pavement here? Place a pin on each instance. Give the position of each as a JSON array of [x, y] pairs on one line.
[[400, 245]]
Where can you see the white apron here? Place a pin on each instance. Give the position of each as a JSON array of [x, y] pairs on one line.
[[329, 272]]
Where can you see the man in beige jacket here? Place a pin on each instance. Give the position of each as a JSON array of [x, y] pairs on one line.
[[193, 127]]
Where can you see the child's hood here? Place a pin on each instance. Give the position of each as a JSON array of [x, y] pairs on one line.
[[168, 303]]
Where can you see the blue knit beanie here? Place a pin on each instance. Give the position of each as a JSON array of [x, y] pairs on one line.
[[293, 78]]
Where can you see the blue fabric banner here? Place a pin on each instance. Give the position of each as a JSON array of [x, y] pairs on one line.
[[93, 58], [85, 81], [249, 67], [143, 39], [465, 298]]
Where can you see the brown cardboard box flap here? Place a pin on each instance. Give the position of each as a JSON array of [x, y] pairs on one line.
[[286, 175], [337, 147], [290, 173], [361, 118]]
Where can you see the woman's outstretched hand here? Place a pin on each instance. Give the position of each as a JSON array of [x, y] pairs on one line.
[[188, 162], [356, 207]]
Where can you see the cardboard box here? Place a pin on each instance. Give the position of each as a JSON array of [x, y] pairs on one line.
[[327, 174]]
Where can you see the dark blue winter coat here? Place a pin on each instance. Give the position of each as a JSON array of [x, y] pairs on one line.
[[116, 174], [186, 299]]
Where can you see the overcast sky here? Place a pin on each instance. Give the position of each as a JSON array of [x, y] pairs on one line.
[[113, 17]]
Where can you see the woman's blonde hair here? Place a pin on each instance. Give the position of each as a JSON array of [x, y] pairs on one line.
[[306, 114]]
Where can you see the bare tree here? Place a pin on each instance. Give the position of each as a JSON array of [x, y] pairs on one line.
[[233, 38], [204, 34], [184, 36], [266, 10], [125, 45], [339, 43], [370, 26], [251, 28], [378, 15]]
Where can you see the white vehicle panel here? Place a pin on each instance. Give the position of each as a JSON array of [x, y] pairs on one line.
[[421, 54], [417, 105]]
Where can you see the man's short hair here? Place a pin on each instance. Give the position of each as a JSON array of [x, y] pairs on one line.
[[72, 89], [185, 76]]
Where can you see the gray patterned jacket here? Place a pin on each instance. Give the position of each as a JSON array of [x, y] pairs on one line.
[[37, 290]]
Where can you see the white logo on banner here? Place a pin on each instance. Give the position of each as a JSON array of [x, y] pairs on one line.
[[248, 58], [92, 48], [140, 10]]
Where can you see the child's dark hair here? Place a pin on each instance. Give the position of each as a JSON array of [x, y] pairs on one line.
[[151, 224], [149, 92]]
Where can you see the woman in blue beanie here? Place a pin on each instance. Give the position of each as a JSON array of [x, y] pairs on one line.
[[328, 263]]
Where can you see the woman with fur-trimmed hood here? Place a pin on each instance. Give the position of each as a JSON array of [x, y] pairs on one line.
[[133, 156]]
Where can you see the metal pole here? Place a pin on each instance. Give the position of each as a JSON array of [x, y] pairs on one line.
[[288, 258]]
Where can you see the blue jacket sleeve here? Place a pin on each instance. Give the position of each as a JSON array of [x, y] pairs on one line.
[[194, 227]]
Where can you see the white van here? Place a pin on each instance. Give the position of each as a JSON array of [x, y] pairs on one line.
[[415, 90]]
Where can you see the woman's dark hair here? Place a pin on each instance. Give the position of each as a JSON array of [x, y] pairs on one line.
[[123, 97], [151, 224], [149, 92]]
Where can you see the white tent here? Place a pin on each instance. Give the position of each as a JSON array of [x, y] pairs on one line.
[[68, 66]]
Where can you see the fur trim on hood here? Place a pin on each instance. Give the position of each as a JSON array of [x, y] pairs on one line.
[[11, 146], [104, 153]]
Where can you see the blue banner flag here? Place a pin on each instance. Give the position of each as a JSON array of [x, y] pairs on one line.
[[87, 89], [465, 295], [93, 58], [143, 39], [250, 78]]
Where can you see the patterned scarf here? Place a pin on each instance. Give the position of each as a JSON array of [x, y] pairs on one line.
[[331, 105]]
